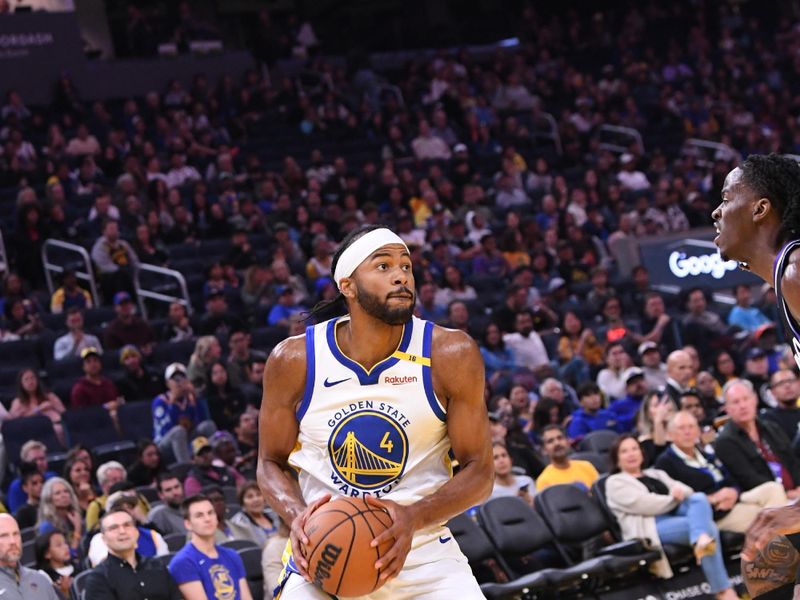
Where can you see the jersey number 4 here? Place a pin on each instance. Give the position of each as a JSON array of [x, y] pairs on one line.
[[386, 443]]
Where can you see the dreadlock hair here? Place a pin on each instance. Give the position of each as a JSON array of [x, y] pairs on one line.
[[776, 178], [338, 302]]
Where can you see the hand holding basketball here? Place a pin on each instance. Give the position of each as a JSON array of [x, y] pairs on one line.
[[297, 535], [404, 524]]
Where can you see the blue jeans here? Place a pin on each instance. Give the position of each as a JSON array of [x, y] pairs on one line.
[[684, 525]]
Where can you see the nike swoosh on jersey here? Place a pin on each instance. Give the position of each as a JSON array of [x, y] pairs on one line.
[[327, 383], [444, 539]]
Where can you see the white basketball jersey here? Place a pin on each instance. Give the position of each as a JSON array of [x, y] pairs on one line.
[[380, 432]]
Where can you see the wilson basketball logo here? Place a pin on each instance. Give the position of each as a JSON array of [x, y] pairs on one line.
[[368, 451], [327, 561]]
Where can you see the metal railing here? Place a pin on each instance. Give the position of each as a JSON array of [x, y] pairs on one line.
[[548, 132], [707, 152], [83, 268], [160, 293], [4, 266], [619, 139]]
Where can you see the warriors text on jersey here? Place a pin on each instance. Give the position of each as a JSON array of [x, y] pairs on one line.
[[789, 322], [378, 432]]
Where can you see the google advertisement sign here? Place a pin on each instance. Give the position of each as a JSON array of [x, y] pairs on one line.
[[690, 259]]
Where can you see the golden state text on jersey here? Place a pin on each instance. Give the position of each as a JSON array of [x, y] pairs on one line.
[[378, 431]]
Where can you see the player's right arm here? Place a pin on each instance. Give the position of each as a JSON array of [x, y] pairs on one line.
[[284, 383]]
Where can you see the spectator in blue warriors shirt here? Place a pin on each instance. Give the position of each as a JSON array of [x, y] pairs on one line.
[[591, 416], [203, 570]]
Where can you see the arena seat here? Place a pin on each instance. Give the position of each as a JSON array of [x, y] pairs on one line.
[[136, 420], [18, 431], [79, 585], [599, 441], [239, 545], [17, 355], [64, 368], [169, 352], [578, 525], [517, 532], [251, 557], [149, 492], [175, 541], [599, 461], [91, 426], [477, 547]]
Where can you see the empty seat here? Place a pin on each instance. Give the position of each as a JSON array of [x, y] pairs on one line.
[[478, 548], [599, 441], [251, 557], [150, 493], [175, 541], [599, 461], [169, 352], [18, 431], [91, 426], [135, 420], [17, 355], [79, 585], [517, 532], [239, 545]]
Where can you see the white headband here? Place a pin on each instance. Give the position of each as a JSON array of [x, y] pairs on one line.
[[359, 251]]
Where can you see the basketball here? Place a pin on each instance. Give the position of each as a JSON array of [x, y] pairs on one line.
[[340, 558]]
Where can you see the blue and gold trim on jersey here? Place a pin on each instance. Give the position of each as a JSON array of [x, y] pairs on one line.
[[368, 376]]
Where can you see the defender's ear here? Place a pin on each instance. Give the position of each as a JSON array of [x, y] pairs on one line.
[[762, 208]]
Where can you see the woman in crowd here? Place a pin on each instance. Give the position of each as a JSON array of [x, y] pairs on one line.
[[54, 560], [651, 424], [79, 475], [725, 367], [254, 514], [225, 402], [506, 482], [650, 505], [497, 359], [579, 353], [59, 510], [32, 399], [454, 288], [206, 350], [148, 464]]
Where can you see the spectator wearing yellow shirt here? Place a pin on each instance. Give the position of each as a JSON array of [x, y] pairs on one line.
[[69, 295], [561, 469]]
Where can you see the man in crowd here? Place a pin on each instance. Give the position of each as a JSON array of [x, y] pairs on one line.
[[177, 328], [561, 468], [201, 563], [168, 516], [18, 582], [75, 341], [785, 388], [32, 452], [625, 409], [93, 389], [138, 383], [150, 543], [241, 357], [114, 259], [655, 371], [108, 474], [525, 344], [611, 379], [32, 482], [754, 450], [591, 416], [756, 371], [125, 574], [685, 461], [218, 320], [128, 327], [206, 471], [679, 374]]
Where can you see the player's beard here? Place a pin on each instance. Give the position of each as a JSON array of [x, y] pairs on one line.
[[375, 307]]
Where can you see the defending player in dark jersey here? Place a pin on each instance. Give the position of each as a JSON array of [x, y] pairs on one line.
[[758, 225]]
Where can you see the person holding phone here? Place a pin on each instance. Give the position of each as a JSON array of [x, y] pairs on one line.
[[506, 482]]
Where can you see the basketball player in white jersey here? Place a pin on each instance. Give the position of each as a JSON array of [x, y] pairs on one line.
[[400, 394], [758, 225]]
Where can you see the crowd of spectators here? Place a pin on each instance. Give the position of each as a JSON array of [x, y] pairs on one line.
[[246, 186]]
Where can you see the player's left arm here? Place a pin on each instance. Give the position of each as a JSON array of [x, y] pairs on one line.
[[458, 378], [790, 285]]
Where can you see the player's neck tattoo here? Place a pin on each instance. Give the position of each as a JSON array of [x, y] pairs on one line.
[[775, 566]]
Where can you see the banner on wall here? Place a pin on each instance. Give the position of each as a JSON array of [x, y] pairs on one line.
[[691, 259]]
